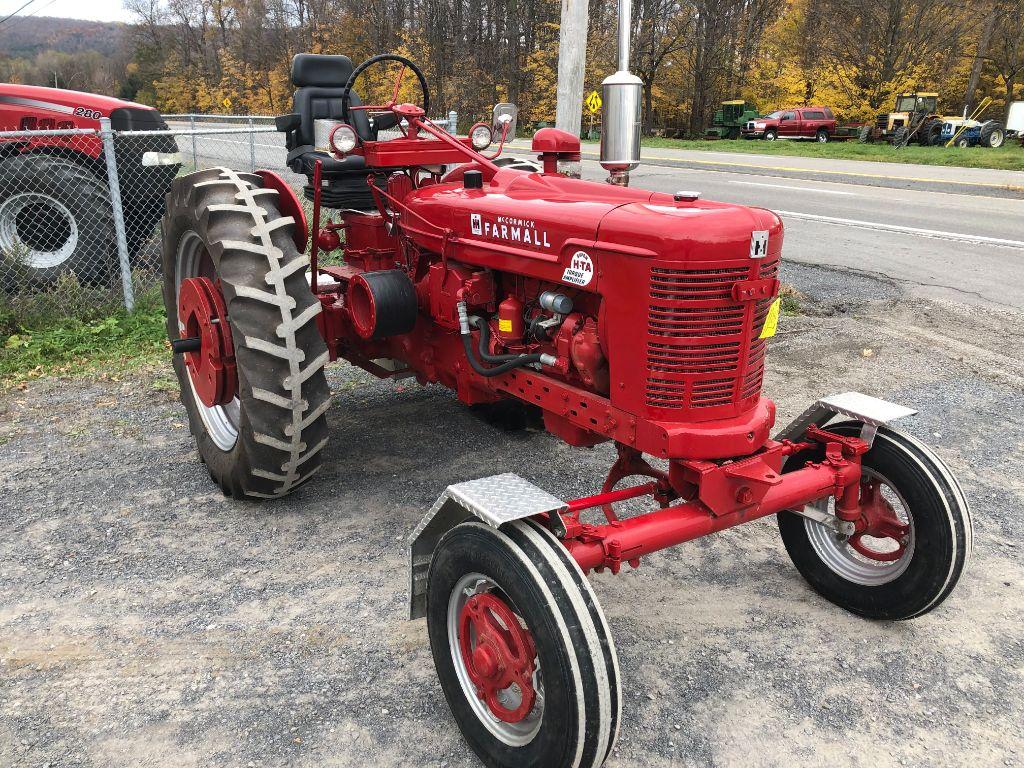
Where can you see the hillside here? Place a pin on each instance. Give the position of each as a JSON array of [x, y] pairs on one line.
[[27, 36]]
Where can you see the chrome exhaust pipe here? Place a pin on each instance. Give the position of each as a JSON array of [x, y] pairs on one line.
[[620, 111]]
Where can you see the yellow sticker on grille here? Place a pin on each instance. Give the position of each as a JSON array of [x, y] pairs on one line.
[[504, 325], [771, 323]]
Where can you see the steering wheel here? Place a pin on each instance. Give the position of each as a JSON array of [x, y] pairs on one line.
[[384, 122]]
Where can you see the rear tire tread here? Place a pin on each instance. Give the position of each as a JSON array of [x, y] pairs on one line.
[[268, 317]]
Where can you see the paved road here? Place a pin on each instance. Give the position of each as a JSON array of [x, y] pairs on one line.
[[965, 245]]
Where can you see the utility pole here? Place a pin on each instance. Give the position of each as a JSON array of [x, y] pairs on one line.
[[572, 55]]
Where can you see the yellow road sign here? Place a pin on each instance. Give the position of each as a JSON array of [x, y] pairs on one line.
[[226, 103], [593, 102]]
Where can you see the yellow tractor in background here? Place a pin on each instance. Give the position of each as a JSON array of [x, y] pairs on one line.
[[914, 119]]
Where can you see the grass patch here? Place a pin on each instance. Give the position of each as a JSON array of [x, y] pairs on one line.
[[1009, 157], [791, 299], [37, 344]]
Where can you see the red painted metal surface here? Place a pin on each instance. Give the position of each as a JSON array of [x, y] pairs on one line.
[[289, 205], [720, 496], [498, 653], [35, 108], [203, 315], [661, 352]]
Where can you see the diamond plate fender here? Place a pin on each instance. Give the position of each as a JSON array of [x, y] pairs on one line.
[[494, 500], [870, 411]]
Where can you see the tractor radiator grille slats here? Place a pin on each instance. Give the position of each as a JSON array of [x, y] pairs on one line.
[[703, 348]]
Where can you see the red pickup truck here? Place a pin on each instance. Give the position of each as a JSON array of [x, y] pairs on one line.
[[816, 123]]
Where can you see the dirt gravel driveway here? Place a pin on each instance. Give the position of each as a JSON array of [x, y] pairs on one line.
[[147, 621]]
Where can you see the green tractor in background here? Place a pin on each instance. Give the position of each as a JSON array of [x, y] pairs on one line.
[[730, 119]]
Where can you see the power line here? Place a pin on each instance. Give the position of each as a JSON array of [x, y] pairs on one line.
[[12, 15], [42, 7]]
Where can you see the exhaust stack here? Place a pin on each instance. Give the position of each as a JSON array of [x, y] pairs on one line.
[[620, 114]]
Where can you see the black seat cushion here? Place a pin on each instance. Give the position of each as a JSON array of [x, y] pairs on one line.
[[320, 82], [330, 166]]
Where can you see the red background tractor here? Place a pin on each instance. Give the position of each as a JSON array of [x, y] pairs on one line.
[[621, 314], [55, 211]]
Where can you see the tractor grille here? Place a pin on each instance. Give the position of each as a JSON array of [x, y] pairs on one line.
[[882, 121], [702, 346]]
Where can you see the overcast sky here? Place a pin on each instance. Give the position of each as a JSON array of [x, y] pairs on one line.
[[97, 10]]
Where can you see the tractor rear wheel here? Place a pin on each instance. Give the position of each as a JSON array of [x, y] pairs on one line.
[[522, 648], [931, 133], [255, 389], [917, 543]]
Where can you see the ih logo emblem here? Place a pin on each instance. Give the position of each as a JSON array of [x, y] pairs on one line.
[[475, 225], [759, 243]]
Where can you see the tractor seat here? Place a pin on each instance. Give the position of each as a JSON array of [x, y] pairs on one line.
[[319, 81]]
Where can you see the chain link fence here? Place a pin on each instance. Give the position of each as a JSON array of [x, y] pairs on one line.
[[80, 210]]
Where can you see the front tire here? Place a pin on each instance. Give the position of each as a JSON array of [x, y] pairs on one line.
[[223, 227], [771, 135], [901, 580], [55, 217], [566, 711], [992, 135]]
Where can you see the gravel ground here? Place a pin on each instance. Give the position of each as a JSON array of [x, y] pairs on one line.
[[146, 620]]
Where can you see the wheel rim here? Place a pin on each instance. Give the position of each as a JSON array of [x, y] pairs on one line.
[[221, 421], [38, 228], [863, 558], [996, 139], [486, 638]]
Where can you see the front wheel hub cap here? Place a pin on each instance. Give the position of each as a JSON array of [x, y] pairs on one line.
[[499, 655], [202, 314], [879, 521]]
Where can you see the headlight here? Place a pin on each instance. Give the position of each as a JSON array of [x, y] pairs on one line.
[[343, 139], [154, 159], [480, 136]]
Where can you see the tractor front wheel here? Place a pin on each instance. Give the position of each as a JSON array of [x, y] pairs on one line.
[[55, 217], [249, 357], [522, 648], [992, 135], [915, 544]]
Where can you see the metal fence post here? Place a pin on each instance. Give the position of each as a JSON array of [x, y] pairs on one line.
[[107, 136], [195, 157], [453, 122], [252, 148]]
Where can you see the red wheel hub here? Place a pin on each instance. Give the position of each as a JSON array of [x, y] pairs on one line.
[[879, 521], [202, 314], [498, 653]]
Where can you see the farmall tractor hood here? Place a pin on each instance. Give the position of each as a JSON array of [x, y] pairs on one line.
[[540, 222]]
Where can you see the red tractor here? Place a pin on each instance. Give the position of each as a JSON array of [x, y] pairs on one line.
[[621, 314], [55, 210]]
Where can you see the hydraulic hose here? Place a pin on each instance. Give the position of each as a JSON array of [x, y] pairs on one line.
[[485, 342], [517, 361]]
